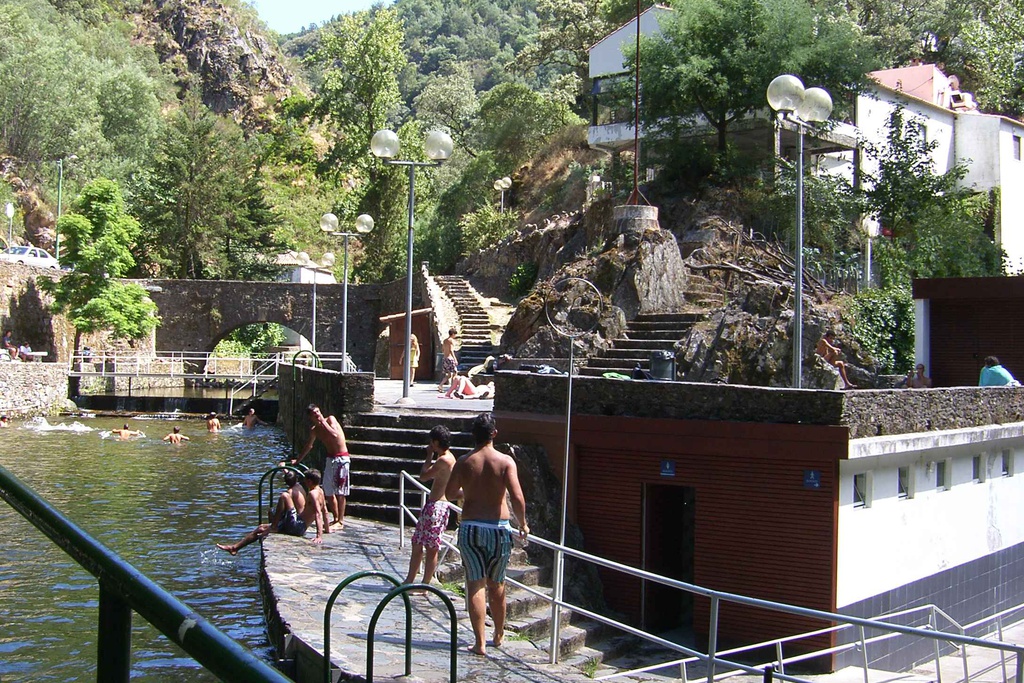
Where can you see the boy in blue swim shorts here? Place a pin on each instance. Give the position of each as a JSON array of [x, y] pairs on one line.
[[482, 478]]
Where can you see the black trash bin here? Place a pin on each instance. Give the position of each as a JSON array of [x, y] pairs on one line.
[[663, 365]]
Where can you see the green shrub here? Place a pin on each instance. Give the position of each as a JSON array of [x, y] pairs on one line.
[[883, 325], [522, 279]]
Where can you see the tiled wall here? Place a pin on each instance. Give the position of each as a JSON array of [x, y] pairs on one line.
[[966, 593]]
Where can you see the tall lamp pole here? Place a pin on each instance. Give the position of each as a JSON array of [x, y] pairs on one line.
[[502, 184], [438, 147], [787, 96], [329, 224], [60, 198], [9, 210]]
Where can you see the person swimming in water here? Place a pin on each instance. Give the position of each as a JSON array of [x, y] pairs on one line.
[[125, 432]]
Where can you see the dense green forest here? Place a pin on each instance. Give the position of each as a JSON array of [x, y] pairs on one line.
[[224, 166]]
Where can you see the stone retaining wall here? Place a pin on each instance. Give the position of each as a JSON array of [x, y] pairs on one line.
[[866, 413], [28, 389]]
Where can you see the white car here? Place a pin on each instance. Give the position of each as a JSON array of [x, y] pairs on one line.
[[32, 256]]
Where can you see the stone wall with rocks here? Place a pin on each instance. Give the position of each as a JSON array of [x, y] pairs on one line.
[[29, 389], [865, 413], [25, 310]]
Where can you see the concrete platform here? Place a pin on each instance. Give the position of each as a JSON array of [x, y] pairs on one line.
[[387, 392], [298, 578]]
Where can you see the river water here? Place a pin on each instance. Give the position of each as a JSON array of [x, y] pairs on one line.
[[159, 506]]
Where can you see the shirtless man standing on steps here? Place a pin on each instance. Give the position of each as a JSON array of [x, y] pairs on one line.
[[337, 468], [485, 536]]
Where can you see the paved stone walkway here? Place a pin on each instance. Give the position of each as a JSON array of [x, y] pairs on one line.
[[300, 577]]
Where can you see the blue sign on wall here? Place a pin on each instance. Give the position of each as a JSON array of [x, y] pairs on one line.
[[668, 468], [812, 479]]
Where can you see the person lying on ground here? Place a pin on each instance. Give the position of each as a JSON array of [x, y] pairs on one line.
[[462, 387]]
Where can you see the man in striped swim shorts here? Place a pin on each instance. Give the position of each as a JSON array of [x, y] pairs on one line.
[[482, 478]]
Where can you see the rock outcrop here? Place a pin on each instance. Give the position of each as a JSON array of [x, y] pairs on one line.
[[240, 71]]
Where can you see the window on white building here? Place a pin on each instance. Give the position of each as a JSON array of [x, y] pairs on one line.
[[861, 490], [1006, 465], [941, 475], [978, 469], [1016, 147], [903, 482]]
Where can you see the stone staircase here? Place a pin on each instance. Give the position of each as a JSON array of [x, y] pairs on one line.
[[382, 444], [644, 334], [583, 643], [474, 321]]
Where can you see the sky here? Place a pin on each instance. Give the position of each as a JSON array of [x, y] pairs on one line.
[[288, 16]]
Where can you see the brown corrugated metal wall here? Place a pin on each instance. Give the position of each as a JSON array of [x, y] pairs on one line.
[[759, 530], [972, 318]]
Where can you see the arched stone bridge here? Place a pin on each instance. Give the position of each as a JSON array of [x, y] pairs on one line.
[[196, 314]]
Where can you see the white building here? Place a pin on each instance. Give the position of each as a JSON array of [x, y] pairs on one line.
[[989, 145]]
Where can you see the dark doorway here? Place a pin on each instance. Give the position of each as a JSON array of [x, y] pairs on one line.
[[669, 514]]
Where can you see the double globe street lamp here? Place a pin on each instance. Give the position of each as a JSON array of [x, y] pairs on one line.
[[438, 148], [787, 96], [329, 224], [501, 185]]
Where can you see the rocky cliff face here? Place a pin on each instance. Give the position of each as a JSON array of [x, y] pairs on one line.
[[240, 71]]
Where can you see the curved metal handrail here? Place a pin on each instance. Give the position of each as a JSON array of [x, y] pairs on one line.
[[330, 605], [270, 473], [403, 590]]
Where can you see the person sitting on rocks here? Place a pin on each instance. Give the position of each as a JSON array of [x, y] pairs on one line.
[[828, 348]]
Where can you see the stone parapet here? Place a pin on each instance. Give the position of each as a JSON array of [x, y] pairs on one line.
[[865, 413], [29, 389]]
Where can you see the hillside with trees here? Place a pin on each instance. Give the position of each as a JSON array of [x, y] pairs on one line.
[[227, 142]]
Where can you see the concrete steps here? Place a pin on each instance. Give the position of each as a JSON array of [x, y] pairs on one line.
[[474, 322], [644, 335]]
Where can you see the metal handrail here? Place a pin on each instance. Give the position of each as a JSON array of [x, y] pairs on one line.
[[453, 624], [123, 588], [327, 621], [716, 597], [272, 472]]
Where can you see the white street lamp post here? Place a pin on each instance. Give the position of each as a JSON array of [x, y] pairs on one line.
[[871, 229], [60, 198], [9, 210], [502, 184], [787, 96], [438, 147], [329, 224]]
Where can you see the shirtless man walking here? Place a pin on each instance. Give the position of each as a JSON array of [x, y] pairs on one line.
[[433, 519], [449, 363], [485, 535], [337, 468], [296, 509]]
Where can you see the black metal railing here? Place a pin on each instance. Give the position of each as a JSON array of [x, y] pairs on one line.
[[124, 589]]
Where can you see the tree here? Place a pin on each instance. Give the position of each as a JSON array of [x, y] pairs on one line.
[[995, 65], [361, 56], [515, 121], [449, 102], [715, 59], [569, 28], [935, 227], [203, 202], [98, 236]]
